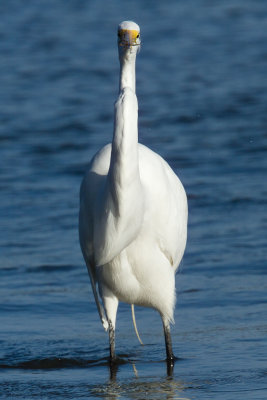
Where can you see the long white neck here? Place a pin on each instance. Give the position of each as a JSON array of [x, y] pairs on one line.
[[124, 199], [127, 71], [124, 165]]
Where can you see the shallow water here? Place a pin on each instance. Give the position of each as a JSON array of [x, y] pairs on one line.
[[202, 90]]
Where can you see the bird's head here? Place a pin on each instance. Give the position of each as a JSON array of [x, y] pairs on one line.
[[128, 37]]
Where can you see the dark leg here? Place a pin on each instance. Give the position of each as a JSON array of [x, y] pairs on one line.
[[111, 332], [113, 367], [110, 305], [169, 353], [168, 342]]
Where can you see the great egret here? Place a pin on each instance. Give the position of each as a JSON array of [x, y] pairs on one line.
[[133, 213]]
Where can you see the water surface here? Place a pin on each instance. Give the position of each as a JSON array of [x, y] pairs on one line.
[[202, 91]]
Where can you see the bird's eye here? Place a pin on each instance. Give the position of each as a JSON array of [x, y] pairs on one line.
[[119, 34], [138, 36]]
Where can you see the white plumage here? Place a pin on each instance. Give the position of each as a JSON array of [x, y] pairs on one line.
[[133, 212]]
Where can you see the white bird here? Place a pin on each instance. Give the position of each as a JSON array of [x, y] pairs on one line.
[[133, 213]]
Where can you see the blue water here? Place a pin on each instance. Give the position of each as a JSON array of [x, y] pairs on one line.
[[202, 90]]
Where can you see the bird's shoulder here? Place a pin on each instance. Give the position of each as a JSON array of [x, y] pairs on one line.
[[96, 172], [154, 169], [101, 160]]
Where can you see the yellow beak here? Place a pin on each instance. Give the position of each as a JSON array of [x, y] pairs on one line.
[[129, 37]]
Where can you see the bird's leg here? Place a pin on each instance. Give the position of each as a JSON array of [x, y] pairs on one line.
[[113, 369], [111, 306], [113, 366], [168, 342], [111, 332], [169, 353]]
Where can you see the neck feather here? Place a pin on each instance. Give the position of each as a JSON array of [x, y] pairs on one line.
[[124, 165], [127, 71], [124, 202]]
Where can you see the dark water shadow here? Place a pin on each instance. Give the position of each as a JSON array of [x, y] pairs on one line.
[[55, 363], [59, 363]]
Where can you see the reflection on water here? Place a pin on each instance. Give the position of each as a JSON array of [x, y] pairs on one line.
[[138, 388], [114, 367]]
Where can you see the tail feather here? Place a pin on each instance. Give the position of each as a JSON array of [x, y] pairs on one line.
[[135, 327]]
